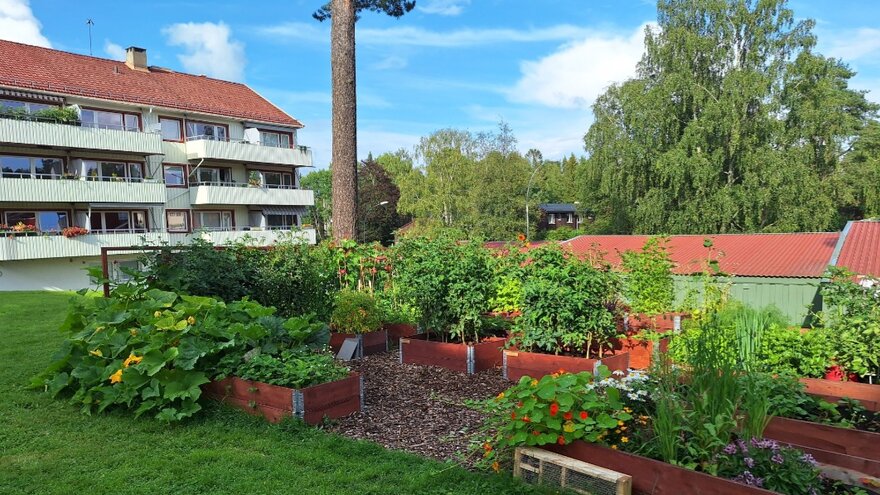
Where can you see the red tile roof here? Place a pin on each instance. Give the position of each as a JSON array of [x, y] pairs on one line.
[[757, 255], [861, 248], [43, 69]]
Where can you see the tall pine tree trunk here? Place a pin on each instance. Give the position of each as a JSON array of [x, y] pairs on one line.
[[344, 164]]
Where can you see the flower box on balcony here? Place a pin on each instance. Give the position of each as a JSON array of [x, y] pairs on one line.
[[654, 477], [518, 364], [467, 358], [333, 400]]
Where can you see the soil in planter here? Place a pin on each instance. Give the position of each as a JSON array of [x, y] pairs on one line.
[[419, 409]]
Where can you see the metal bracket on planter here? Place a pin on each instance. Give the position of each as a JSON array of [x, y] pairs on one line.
[[471, 360], [299, 405], [626, 321], [360, 347], [676, 323], [504, 364], [400, 349], [596, 367], [361, 386]]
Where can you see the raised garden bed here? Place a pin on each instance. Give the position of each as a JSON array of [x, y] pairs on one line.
[[832, 391], [397, 331], [467, 358], [650, 477], [518, 364], [659, 322], [641, 352], [842, 447], [369, 343], [311, 404]]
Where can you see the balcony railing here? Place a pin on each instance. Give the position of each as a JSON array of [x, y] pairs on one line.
[[213, 148], [256, 236], [35, 131], [249, 195], [77, 190], [39, 245]]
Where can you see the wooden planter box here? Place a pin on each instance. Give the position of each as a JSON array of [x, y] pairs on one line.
[[470, 358], [518, 364], [641, 352], [370, 343], [660, 322], [867, 394], [650, 477], [841, 447], [311, 404], [397, 331]]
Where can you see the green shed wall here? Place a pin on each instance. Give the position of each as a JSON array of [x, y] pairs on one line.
[[797, 298]]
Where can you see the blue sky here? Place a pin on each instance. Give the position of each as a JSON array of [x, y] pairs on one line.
[[468, 64]]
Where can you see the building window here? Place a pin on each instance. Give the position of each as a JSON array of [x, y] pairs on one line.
[[552, 219], [275, 139], [175, 175], [30, 167], [44, 221], [214, 220], [202, 130], [123, 270], [15, 106], [281, 222], [114, 171], [211, 176], [570, 218], [279, 180], [178, 221], [171, 129], [107, 222], [107, 119]]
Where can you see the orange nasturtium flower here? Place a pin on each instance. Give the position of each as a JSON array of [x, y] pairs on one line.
[[560, 440], [521, 237], [116, 377], [567, 416], [554, 409], [496, 467], [585, 415], [132, 359], [500, 396], [534, 383]]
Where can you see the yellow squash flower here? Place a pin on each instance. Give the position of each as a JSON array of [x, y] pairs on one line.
[[191, 320], [132, 359], [97, 353], [157, 314], [133, 332], [116, 377]]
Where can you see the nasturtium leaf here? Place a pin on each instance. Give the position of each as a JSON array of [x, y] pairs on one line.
[[606, 421]]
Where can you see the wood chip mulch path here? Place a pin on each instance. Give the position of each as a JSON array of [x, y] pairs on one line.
[[419, 409]]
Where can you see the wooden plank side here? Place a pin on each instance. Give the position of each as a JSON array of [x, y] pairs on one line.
[[488, 354], [326, 395], [851, 442], [419, 351], [650, 477], [537, 365], [866, 393]]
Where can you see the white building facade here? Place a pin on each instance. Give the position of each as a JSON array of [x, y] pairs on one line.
[[105, 153]]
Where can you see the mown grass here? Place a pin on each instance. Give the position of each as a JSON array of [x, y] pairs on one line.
[[48, 447]]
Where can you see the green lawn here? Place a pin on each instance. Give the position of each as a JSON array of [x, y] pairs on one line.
[[47, 446]]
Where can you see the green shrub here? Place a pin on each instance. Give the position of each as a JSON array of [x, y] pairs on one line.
[[853, 319], [787, 350], [355, 312], [293, 277], [66, 115], [562, 233], [648, 285], [565, 304], [146, 350]]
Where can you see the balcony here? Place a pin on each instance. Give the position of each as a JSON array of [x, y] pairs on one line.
[[256, 237], [80, 191], [248, 195], [39, 246], [207, 148], [33, 132]]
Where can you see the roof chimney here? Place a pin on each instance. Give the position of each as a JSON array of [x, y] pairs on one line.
[[136, 58]]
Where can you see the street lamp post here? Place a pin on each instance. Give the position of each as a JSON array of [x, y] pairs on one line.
[[528, 193]]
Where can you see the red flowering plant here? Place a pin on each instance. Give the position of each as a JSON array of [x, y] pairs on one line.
[[74, 231], [559, 408]]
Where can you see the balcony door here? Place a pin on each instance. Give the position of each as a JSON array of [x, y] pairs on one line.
[[214, 220], [111, 222]]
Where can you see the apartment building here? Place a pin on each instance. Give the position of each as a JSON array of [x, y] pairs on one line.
[[96, 152]]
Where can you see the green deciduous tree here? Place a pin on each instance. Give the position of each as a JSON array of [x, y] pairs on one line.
[[320, 182], [377, 212], [732, 123]]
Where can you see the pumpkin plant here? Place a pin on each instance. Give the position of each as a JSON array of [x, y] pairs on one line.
[[355, 312], [146, 350]]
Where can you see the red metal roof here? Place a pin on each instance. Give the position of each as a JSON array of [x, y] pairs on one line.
[[43, 69], [861, 248], [757, 255]]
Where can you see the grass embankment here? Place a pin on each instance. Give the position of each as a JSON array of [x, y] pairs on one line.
[[48, 447]]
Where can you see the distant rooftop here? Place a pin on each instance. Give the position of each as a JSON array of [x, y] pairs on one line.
[[558, 207]]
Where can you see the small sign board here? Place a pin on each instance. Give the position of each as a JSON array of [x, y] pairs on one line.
[[347, 350]]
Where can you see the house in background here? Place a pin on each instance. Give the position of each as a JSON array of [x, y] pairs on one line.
[[97, 152], [556, 215]]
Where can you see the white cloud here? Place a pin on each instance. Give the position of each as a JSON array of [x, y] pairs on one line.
[[852, 45], [114, 51], [209, 49], [443, 7], [579, 71], [417, 36], [17, 23], [391, 62]]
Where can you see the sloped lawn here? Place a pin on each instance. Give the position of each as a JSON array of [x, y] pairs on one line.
[[47, 446]]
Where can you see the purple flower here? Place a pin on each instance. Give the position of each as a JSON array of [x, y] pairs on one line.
[[765, 444], [730, 449], [747, 478], [809, 459], [749, 462], [777, 458], [741, 445]]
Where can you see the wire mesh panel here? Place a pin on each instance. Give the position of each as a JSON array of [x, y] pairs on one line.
[[538, 466]]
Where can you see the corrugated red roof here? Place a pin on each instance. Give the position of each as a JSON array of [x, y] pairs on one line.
[[43, 69], [756, 255], [861, 248]]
